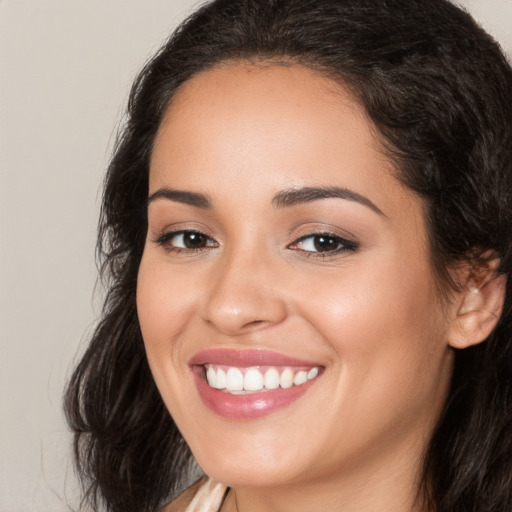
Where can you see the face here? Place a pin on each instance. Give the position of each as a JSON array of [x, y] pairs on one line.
[[286, 297]]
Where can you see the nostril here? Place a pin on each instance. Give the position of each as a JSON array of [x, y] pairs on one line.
[[247, 326], [256, 323]]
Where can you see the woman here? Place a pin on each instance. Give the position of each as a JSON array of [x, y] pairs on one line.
[[306, 239]]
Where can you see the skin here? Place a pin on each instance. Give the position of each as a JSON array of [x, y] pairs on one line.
[[371, 314]]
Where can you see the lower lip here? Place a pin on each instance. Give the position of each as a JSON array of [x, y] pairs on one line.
[[246, 407]]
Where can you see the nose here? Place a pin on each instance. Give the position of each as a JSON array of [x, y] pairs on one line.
[[244, 295]]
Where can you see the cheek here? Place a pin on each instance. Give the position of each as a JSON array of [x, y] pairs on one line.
[[391, 368], [383, 320], [164, 307], [372, 296]]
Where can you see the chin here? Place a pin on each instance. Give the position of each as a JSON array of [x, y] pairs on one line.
[[250, 468], [242, 475]]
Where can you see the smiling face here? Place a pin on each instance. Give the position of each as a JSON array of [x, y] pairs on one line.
[[282, 250]]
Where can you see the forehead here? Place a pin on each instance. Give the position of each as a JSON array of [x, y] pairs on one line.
[[253, 97], [257, 127]]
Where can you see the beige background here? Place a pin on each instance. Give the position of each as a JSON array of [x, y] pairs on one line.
[[65, 70]]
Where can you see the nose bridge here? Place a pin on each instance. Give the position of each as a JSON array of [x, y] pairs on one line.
[[243, 294]]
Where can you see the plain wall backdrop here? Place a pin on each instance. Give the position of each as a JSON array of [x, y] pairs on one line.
[[65, 70]]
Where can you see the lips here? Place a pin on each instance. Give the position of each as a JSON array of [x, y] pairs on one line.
[[250, 384]]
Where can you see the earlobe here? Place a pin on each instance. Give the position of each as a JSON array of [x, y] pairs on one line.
[[479, 310]]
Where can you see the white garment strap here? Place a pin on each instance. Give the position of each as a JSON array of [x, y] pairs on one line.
[[208, 498]]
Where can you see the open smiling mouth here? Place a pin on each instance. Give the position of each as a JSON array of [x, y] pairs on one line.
[[250, 385], [240, 381]]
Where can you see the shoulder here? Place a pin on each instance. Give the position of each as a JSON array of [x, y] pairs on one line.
[[205, 494]]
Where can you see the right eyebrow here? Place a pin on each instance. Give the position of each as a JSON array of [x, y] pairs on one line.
[[181, 196]]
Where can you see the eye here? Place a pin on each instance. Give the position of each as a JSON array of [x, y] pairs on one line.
[[323, 243], [185, 240]]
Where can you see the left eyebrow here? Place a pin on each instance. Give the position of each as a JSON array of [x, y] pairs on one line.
[[295, 196]]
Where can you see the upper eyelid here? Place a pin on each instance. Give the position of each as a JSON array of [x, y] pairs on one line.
[[170, 233], [310, 228], [341, 239], [319, 231], [322, 233], [177, 228]]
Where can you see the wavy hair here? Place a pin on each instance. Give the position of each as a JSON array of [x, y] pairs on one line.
[[439, 92]]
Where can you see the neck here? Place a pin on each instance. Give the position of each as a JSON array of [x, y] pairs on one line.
[[390, 486]]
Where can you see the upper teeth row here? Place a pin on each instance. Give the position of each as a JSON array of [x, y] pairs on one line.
[[234, 380]]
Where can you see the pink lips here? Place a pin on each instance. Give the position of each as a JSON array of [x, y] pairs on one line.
[[249, 406]]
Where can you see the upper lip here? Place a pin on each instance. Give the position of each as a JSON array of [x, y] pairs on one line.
[[246, 358]]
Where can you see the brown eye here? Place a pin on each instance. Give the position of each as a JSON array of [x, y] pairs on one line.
[[185, 240], [193, 240], [324, 243]]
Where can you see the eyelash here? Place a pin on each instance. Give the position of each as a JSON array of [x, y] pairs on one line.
[[342, 244], [165, 240]]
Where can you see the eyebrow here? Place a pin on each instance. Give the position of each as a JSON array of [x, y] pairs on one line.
[[181, 196], [285, 198], [295, 196]]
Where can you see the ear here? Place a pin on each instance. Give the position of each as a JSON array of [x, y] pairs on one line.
[[478, 307]]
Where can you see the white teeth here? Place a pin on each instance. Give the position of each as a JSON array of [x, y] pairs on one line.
[[221, 379], [216, 379], [234, 380], [253, 380], [238, 381], [312, 373], [211, 377], [271, 378], [300, 378], [286, 379]]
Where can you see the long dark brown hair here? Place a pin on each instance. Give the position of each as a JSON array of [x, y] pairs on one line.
[[439, 91]]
